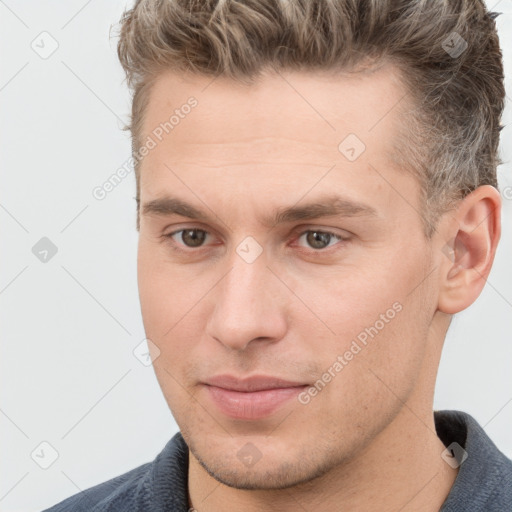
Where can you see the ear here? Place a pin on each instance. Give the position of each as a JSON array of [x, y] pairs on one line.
[[470, 245]]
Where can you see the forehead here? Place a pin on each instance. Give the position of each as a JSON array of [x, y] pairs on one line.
[[277, 132], [333, 104]]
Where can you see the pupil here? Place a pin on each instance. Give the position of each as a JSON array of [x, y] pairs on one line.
[[191, 237], [318, 240]]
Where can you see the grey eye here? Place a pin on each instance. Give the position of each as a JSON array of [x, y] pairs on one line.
[[192, 237], [319, 239]]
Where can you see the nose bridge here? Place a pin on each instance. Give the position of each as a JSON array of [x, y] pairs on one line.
[[246, 283], [245, 306]]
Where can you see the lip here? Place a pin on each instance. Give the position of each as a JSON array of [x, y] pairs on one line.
[[251, 398], [253, 383]]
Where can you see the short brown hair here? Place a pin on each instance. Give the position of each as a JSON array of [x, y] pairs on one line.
[[448, 52]]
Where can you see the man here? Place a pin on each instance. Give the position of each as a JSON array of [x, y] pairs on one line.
[[317, 197]]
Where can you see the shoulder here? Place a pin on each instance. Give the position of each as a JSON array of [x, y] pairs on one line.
[[484, 480], [119, 487], [164, 480]]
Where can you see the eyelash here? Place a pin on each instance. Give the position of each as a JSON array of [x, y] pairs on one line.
[[190, 250]]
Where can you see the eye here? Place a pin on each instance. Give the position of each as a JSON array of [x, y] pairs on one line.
[[195, 237], [320, 239], [192, 237]]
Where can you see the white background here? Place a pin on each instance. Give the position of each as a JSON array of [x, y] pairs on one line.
[[69, 326]]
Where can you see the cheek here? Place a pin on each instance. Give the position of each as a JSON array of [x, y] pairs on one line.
[[376, 322], [165, 296], [174, 306], [348, 302], [153, 293], [167, 304], [369, 371]]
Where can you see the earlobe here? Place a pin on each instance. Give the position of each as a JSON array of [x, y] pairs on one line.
[[468, 253]]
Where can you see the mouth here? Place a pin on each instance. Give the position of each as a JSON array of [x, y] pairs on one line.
[[251, 398]]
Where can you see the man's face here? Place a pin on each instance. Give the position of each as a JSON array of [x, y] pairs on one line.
[[239, 296]]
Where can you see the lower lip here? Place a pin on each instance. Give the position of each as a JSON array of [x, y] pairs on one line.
[[251, 405]]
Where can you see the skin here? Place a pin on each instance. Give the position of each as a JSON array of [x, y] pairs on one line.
[[367, 441]]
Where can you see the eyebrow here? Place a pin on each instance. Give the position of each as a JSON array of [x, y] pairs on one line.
[[326, 206]]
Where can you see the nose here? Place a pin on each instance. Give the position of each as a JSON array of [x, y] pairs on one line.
[[250, 306]]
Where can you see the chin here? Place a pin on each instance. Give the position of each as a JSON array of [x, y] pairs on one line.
[[277, 471]]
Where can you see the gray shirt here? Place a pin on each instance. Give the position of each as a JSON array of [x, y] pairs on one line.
[[484, 481]]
